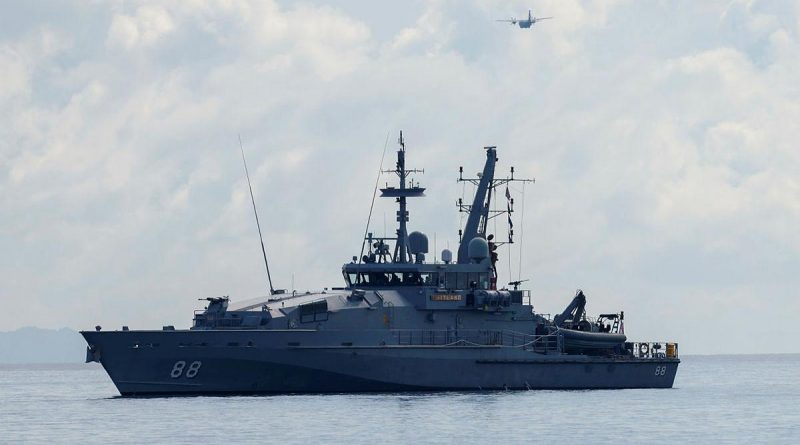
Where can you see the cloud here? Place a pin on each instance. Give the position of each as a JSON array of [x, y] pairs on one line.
[[15, 79], [664, 152], [429, 35], [149, 24]]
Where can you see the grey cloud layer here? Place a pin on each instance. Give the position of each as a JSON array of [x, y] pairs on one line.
[[663, 139]]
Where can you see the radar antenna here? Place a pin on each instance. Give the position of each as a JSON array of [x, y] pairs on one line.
[[255, 212]]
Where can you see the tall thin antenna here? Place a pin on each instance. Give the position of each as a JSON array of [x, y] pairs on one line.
[[255, 212], [521, 233], [374, 193], [434, 247]]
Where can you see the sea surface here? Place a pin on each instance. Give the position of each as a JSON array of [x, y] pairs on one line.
[[716, 399]]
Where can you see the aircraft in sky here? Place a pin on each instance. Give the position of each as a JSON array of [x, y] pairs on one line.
[[525, 23]]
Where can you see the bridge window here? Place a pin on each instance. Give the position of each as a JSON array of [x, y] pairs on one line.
[[461, 280], [373, 279]]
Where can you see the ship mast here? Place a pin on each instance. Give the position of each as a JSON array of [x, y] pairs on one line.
[[480, 211], [411, 190]]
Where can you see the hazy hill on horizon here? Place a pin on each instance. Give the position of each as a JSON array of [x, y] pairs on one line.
[[37, 345]]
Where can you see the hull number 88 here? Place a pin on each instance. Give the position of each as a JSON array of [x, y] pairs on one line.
[[191, 371]]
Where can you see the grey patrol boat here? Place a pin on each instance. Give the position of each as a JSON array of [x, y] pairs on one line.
[[400, 323]]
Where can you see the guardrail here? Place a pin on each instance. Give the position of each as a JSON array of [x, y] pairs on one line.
[[653, 349], [465, 337]]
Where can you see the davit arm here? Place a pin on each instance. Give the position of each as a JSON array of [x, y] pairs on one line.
[[574, 312]]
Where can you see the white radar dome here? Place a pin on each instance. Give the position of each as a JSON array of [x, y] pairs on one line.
[[478, 249]]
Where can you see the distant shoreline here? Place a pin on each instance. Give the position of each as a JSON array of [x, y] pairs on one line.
[[80, 366], [30, 345]]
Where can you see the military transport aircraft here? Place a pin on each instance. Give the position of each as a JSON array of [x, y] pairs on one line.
[[525, 23]]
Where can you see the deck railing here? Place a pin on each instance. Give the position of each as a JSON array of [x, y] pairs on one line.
[[469, 337], [653, 349]]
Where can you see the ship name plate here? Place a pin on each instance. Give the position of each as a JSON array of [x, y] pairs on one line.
[[446, 297]]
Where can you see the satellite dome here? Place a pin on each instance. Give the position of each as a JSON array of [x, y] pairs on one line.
[[478, 249], [447, 256], [417, 243]]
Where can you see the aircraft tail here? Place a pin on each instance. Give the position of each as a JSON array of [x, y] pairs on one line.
[[530, 16]]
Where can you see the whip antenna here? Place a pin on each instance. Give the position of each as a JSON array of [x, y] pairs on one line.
[[372, 205], [255, 212]]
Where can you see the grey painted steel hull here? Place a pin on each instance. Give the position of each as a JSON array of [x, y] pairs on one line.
[[151, 368]]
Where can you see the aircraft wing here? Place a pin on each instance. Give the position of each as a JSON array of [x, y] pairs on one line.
[[543, 18], [507, 21]]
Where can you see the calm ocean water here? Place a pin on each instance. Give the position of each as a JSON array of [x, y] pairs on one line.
[[716, 399]]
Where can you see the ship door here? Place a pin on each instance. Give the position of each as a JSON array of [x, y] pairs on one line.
[[388, 316]]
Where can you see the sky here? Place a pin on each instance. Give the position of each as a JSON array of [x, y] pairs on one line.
[[662, 137]]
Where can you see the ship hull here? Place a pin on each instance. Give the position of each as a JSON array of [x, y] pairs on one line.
[[197, 362]]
